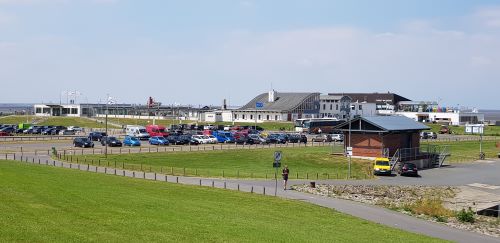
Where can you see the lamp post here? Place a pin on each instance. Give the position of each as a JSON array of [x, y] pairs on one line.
[[345, 105]]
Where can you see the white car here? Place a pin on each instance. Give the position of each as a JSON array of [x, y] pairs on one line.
[[212, 139], [75, 128], [337, 137], [201, 139]]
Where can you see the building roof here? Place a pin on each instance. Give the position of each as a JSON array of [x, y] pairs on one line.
[[330, 97], [379, 98], [283, 101], [383, 124]]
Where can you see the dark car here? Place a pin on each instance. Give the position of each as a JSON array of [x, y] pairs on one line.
[[68, 132], [83, 142], [97, 136], [8, 129], [47, 131], [111, 141], [187, 139], [408, 169], [276, 138], [175, 140], [294, 138], [303, 139], [244, 140]]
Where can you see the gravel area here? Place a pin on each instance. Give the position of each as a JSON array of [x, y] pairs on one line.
[[403, 198]]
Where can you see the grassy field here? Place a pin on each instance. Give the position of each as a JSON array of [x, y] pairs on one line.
[[468, 150], [310, 162], [46, 204], [460, 130], [266, 125], [55, 121]]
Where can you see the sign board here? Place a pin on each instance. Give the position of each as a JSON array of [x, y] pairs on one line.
[[276, 164], [348, 151], [259, 105], [474, 129], [277, 156]]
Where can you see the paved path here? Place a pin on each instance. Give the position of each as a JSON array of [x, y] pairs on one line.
[[364, 211]]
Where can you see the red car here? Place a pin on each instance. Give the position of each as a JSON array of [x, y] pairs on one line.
[[2, 134]]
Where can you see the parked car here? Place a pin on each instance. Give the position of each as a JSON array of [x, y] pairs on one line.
[[244, 140], [83, 142], [8, 129], [75, 128], [303, 138], [111, 141], [97, 136], [319, 138], [187, 139], [201, 139], [3, 134], [444, 130], [211, 139], [176, 140], [257, 139], [131, 141], [408, 169], [158, 140], [294, 138], [432, 135], [382, 167], [424, 135], [275, 138], [47, 131], [336, 137], [67, 132]]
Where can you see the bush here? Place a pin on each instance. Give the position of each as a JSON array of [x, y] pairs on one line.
[[441, 219], [466, 216], [432, 207]]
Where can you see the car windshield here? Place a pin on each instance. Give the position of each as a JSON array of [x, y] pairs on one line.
[[205, 137], [85, 140], [160, 138], [134, 139], [142, 130], [112, 138], [382, 163], [409, 166]]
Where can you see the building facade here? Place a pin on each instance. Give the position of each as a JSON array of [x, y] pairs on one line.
[[330, 108]]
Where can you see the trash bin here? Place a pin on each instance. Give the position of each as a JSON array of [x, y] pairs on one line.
[[312, 184]]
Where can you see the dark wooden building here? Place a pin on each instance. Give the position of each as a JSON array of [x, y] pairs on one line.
[[382, 136]]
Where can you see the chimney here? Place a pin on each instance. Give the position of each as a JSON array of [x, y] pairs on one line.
[[272, 96], [224, 105]]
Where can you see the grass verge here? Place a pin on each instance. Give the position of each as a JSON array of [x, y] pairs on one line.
[[44, 204]]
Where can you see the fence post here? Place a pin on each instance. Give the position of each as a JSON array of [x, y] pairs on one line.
[[200, 182], [177, 179], [264, 190], [213, 184], [224, 185], [238, 187], [251, 190]]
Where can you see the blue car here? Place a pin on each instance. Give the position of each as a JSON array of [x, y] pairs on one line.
[[223, 136], [131, 141], [158, 140]]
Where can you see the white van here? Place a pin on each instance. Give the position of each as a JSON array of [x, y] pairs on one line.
[[137, 131]]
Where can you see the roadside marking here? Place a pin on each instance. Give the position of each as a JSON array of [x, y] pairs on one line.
[[486, 186]]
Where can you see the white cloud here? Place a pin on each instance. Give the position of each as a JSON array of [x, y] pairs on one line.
[[489, 17]]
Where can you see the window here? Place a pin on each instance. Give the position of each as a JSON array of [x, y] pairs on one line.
[[337, 107], [74, 110], [331, 106], [360, 107], [243, 116], [46, 110], [267, 117], [235, 116], [38, 110], [251, 117], [259, 117], [276, 117], [324, 106], [353, 107]]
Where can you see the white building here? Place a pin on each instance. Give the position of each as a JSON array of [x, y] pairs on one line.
[[73, 110], [431, 112], [330, 107]]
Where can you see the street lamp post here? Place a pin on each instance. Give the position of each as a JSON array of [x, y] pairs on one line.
[[345, 104]]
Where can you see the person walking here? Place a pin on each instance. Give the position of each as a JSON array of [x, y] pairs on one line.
[[285, 173]]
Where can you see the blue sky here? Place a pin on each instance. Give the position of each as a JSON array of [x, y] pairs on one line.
[[200, 52]]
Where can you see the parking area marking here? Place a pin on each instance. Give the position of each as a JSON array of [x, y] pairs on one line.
[[486, 186]]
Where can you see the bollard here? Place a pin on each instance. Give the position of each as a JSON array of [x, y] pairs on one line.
[[251, 190], [213, 184], [133, 174], [200, 182], [264, 190], [224, 185], [238, 187], [144, 175], [177, 179], [155, 176], [105, 170], [123, 172], [166, 178]]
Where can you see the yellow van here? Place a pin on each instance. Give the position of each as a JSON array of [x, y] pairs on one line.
[[382, 167]]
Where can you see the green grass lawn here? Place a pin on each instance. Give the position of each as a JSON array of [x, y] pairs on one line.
[[310, 162], [460, 130], [46, 204], [468, 150], [274, 126], [54, 121]]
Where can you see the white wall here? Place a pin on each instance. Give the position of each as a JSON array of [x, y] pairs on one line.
[[330, 109]]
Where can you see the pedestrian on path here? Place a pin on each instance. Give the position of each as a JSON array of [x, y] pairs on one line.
[[285, 173]]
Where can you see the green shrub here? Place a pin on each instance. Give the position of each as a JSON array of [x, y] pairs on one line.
[[432, 207], [441, 219], [465, 215]]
